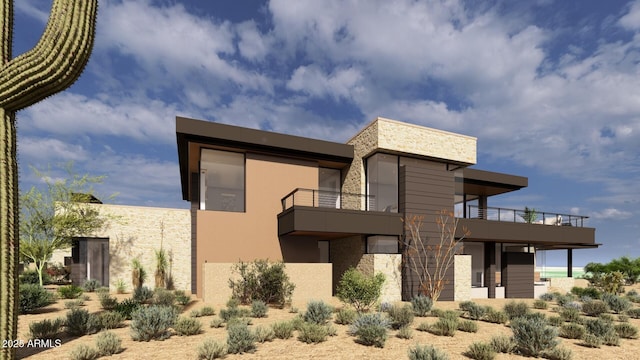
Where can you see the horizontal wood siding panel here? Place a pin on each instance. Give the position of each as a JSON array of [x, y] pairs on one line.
[[517, 275]]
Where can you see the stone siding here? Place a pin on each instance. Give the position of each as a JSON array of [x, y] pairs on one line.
[[462, 278], [389, 265], [345, 253]]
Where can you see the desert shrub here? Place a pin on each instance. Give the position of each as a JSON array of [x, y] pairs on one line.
[[423, 326], [186, 326], [611, 339], [555, 320], [261, 281], [312, 333], [345, 316], [107, 320], [33, 297], [152, 323], [496, 317], [216, 323], [426, 352], [540, 304], [634, 313], [31, 277], [401, 315], [121, 286], [515, 309], [468, 326], [626, 331], [91, 285], [163, 297], [297, 322], [108, 343], [45, 329], [384, 306], [572, 331], [126, 308], [617, 304], [283, 329], [592, 341], [264, 333], [480, 351], [78, 322], [107, 302], [594, 307], [83, 352], [318, 312], [181, 297], [208, 311], [546, 297], [599, 327], [240, 339], [558, 353], [607, 317], [421, 305], [437, 312], [474, 311], [239, 320], [359, 290], [405, 333], [445, 327], [69, 291], [259, 309], [370, 329], [623, 318], [72, 304], [503, 344], [232, 312], [572, 305], [533, 336], [211, 349], [293, 310], [143, 295], [570, 314], [591, 292]]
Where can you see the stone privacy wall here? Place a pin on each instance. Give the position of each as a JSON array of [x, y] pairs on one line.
[[312, 281], [345, 253], [462, 278], [137, 232], [390, 266]]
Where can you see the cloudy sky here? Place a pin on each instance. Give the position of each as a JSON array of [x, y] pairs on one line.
[[551, 89]]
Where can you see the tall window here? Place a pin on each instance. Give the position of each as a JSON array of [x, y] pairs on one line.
[[382, 183], [222, 181], [329, 186]]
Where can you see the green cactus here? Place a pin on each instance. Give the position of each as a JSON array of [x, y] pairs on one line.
[[50, 67]]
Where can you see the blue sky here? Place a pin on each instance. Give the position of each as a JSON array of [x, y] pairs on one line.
[[549, 88]]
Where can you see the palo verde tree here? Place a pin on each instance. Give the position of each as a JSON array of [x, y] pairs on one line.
[[431, 260], [51, 66], [51, 217]]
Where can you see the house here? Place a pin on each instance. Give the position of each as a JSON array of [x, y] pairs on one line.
[[322, 207]]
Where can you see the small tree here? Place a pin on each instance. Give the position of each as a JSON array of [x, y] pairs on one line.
[[530, 215], [431, 261], [359, 290], [51, 217]]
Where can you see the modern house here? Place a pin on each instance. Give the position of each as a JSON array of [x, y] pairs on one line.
[[257, 194]]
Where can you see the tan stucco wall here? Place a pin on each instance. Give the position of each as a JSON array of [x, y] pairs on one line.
[[136, 231], [312, 281], [462, 278], [226, 237]]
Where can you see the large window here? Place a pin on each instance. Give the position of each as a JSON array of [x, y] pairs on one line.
[[382, 183], [222, 181], [382, 244], [329, 186]]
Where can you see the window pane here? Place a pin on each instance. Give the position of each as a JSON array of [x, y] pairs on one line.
[[382, 183], [382, 245], [329, 186], [222, 180]]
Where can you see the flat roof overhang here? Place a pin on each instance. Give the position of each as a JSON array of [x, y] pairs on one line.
[[488, 183], [332, 223], [259, 141], [538, 235]]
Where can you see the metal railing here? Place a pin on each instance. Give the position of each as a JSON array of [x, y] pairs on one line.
[[326, 199], [522, 216]]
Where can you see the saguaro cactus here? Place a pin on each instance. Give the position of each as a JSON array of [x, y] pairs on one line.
[[50, 67]]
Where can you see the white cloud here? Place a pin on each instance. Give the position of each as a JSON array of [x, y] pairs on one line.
[[611, 214], [631, 21], [38, 149], [341, 83], [252, 44], [27, 7]]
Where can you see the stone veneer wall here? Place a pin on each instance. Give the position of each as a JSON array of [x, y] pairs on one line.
[[345, 253], [390, 266], [462, 278], [136, 231]]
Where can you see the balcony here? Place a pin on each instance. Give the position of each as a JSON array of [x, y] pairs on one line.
[[544, 229], [326, 214]]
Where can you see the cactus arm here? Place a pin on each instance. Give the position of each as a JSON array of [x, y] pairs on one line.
[[56, 61]]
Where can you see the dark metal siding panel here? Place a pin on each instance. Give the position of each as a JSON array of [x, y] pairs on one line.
[[195, 204], [517, 275], [309, 219]]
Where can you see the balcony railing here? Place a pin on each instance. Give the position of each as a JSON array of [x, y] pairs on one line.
[[326, 199], [521, 216]]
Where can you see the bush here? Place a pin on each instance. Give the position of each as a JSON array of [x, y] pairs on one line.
[[186, 326], [72, 304], [211, 349], [421, 305], [616, 303], [152, 323], [562, 300], [634, 313], [45, 329], [572, 331], [283, 329], [558, 353], [611, 339], [623, 318], [345, 316], [106, 320], [599, 327], [33, 297], [318, 312], [592, 341], [108, 343], [126, 308], [533, 336], [405, 333], [573, 305], [209, 311], [626, 331], [240, 339], [181, 297], [239, 320], [83, 352], [474, 311], [107, 302], [91, 285], [401, 315], [595, 307], [78, 322], [259, 309], [233, 312], [426, 352], [496, 317], [370, 329], [31, 277], [312, 333], [423, 326], [468, 326], [591, 292], [570, 314], [264, 333], [502, 344], [480, 351], [607, 317], [69, 291], [142, 295], [261, 281], [216, 323], [445, 327], [163, 297], [555, 320], [359, 290], [547, 297], [540, 304], [515, 309]]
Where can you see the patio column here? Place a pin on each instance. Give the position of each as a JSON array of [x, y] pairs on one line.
[[569, 262], [482, 206], [490, 269]]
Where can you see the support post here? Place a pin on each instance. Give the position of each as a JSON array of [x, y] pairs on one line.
[[490, 269], [569, 262]]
